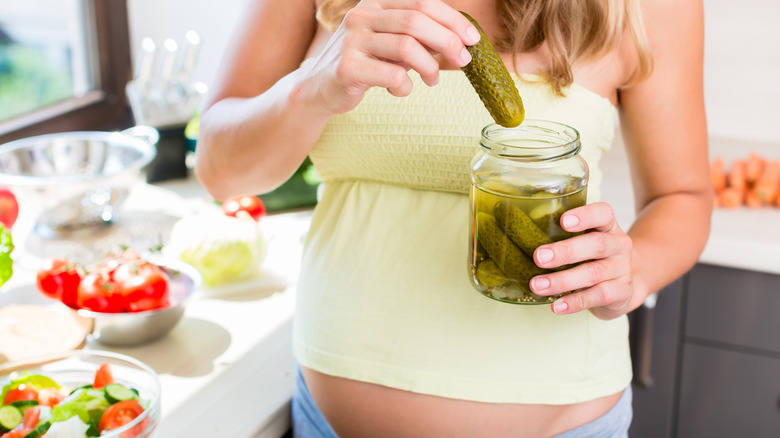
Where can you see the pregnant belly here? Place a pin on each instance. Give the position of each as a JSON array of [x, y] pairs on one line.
[[358, 409]]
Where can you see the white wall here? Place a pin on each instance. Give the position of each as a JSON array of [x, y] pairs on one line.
[[742, 54], [214, 21], [742, 69]]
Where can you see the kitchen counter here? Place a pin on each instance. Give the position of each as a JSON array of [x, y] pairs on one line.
[[227, 369], [740, 238]]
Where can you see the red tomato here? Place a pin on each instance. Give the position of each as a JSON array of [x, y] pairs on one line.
[[9, 207], [249, 205], [16, 433], [121, 413], [50, 396], [59, 279], [98, 293], [144, 286], [31, 417], [103, 376], [114, 260], [22, 392]]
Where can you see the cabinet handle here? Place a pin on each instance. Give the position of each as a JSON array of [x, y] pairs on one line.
[[643, 352]]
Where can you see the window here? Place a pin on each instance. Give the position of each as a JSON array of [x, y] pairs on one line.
[[63, 66]]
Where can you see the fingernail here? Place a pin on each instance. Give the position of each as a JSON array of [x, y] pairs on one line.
[[465, 56], [570, 221], [560, 306], [544, 255], [541, 283], [473, 35]]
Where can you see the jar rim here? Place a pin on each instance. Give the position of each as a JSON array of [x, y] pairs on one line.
[[532, 140]]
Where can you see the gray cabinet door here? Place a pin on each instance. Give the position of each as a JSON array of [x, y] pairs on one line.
[[728, 394], [734, 307], [655, 365]]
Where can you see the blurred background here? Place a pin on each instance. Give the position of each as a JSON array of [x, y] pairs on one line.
[[48, 48]]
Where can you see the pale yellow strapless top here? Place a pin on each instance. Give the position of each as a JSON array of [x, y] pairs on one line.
[[384, 294]]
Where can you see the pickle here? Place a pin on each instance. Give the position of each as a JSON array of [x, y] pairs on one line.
[[520, 228], [490, 78], [509, 258], [489, 274]]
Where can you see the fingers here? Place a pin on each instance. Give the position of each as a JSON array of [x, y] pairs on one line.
[[377, 43], [598, 216], [588, 246], [405, 51], [409, 33], [580, 277], [602, 280], [442, 13], [427, 31], [606, 300], [374, 72]]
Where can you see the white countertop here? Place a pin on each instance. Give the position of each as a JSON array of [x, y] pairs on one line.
[[227, 368], [740, 238]]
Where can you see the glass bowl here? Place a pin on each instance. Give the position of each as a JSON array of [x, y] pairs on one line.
[[78, 368]]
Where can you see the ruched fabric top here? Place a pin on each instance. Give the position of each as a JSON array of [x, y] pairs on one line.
[[384, 294]]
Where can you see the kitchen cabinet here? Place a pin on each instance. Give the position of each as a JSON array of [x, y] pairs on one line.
[[713, 355]]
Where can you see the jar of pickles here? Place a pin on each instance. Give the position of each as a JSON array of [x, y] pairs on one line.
[[522, 180]]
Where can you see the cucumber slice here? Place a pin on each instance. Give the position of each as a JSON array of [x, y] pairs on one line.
[[89, 386], [39, 431], [116, 392], [10, 417], [23, 405]]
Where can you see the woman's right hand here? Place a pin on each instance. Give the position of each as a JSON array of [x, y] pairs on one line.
[[378, 42]]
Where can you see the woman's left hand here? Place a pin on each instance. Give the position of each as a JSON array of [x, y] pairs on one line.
[[603, 283]]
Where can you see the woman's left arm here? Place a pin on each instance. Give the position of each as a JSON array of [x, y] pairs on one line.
[[665, 132]]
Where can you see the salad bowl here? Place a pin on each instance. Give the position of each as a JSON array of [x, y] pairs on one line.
[[75, 369]]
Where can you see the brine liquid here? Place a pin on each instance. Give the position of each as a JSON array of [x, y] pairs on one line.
[[505, 231]]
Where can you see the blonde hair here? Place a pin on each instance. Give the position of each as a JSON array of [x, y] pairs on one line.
[[600, 28]]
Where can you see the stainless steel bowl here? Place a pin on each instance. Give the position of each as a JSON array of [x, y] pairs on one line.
[[77, 179], [135, 328]]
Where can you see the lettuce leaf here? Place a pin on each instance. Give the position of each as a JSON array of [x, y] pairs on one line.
[[85, 403]]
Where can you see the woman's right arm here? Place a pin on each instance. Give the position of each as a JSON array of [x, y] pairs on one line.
[[266, 112], [250, 109]]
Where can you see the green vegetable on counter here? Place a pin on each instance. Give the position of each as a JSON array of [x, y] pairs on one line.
[[223, 249], [6, 248]]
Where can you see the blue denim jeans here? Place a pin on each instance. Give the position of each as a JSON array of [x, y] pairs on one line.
[[308, 421]]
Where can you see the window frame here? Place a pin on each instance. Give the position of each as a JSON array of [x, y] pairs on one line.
[[104, 108]]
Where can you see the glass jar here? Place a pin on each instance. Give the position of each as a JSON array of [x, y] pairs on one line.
[[522, 180]]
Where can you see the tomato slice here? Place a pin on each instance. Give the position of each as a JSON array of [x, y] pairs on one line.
[[16, 433], [50, 396], [121, 413], [31, 417], [103, 376], [22, 392]]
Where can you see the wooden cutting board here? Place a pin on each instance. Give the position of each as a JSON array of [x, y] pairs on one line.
[[28, 330]]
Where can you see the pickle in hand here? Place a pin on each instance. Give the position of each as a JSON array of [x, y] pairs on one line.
[[491, 80]]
